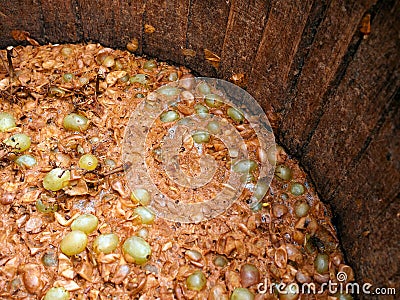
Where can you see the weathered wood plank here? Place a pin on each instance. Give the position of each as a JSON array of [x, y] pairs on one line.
[[206, 30], [359, 102], [239, 51], [281, 37], [169, 18], [328, 48], [368, 202], [20, 15], [58, 21], [98, 21], [315, 18], [129, 22]]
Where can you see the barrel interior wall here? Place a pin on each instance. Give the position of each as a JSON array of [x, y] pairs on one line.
[[333, 86]]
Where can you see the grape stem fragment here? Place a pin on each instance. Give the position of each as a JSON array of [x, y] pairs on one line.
[[116, 170], [11, 71]]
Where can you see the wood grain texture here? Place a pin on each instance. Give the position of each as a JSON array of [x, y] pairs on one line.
[[112, 25], [207, 21], [314, 20], [276, 50], [61, 22], [20, 15], [368, 203], [98, 21], [239, 50], [129, 23], [329, 46], [363, 95], [169, 18]]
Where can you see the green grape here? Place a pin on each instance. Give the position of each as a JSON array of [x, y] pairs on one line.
[[204, 88], [242, 294], [141, 196], [56, 92], [118, 65], [7, 121], [124, 79], [273, 153], [66, 51], [105, 243], [173, 76], [50, 259], [283, 172], [201, 110], [196, 281], [19, 142], [260, 190], [86, 223], [75, 122], [137, 250], [220, 261], [201, 137], [56, 179], [235, 115], [140, 78], [150, 64], [245, 166], [169, 116], [169, 90], [26, 160], [143, 233], [57, 293], [213, 100], [321, 263], [213, 127], [73, 243], [43, 208], [67, 77], [301, 208], [297, 189], [88, 162], [109, 61], [146, 216]]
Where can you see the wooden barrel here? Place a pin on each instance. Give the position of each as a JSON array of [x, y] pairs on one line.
[[332, 82]]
